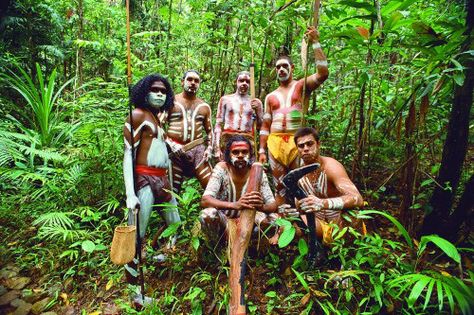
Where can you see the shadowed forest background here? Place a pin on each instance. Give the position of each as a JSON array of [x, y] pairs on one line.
[[395, 111]]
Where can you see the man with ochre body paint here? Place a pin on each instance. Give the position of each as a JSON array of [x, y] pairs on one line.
[[283, 112]]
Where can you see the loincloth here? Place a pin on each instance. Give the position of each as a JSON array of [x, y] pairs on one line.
[[190, 160], [282, 147], [157, 179]]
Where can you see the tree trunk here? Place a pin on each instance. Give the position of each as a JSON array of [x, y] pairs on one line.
[[455, 145]]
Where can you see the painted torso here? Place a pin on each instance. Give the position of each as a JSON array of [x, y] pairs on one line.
[[236, 113], [149, 140], [187, 120], [286, 109]]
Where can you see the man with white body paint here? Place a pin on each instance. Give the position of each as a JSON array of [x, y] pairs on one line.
[[225, 195], [188, 120], [283, 112], [151, 96], [236, 114], [329, 188]]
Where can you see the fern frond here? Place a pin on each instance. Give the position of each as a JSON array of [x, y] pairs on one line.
[[55, 219]]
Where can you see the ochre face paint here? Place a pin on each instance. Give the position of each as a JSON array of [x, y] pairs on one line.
[[239, 145]]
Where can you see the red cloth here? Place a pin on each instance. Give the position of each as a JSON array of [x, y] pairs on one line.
[[152, 171]]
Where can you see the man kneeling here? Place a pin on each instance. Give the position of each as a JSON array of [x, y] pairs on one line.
[[329, 188], [225, 194]]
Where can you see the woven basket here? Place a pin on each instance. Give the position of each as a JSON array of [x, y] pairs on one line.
[[123, 246]]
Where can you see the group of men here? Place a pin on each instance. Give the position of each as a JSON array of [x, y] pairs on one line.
[[163, 159]]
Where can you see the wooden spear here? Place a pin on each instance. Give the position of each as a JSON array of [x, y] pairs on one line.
[[138, 252], [252, 96], [304, 60]]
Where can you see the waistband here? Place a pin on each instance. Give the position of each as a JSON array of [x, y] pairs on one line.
[[239, 132], [151, 171]]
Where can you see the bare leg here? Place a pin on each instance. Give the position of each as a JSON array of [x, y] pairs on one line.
[[203, 173], [177, 177]]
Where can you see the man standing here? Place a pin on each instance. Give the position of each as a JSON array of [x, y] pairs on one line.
[[283, 113], [236, 113], [151, 96], [187, 120], [329, 188]]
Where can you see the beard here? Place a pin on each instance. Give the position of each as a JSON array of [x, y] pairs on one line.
[[240, 164]]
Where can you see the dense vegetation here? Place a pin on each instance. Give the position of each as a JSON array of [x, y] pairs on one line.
[[395, 111]]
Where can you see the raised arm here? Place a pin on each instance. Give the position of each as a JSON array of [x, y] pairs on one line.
[[258, 110], [265, 130], [315, 80]]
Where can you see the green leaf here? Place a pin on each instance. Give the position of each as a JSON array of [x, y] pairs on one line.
[[399, 226], [447, 247], [417, 290], [195, 243], [88, 246], [300, 278], [459, 78], [271, 294], [286, 237], [302, 247], [170, 230]]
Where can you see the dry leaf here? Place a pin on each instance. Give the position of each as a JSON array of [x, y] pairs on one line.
[[363, 32]]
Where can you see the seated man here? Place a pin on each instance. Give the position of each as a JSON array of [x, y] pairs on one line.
[[329, 188], [224, 196]]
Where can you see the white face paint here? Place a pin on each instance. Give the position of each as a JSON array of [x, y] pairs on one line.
[[156, 99], [283, 68], [240, 163]]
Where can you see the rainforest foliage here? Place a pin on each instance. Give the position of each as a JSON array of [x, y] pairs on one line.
[[395, 111]]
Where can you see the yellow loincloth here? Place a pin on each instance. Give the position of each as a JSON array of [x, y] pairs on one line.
[[282, 147]]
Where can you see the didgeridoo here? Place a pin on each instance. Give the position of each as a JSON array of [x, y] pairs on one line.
[[240, 230]]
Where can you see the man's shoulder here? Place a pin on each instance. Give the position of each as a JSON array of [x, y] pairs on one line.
[[331, 165], [138, 116]]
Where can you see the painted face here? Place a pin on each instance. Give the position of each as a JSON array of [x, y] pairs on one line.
[[283, 69], [191, 82], [240, 154], [308, 149], [243, 83], [156, 97]]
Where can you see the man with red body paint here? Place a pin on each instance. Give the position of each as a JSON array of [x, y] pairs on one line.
[[283, 113], [236, 114]]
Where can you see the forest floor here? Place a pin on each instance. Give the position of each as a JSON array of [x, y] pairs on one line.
[[30, 291]]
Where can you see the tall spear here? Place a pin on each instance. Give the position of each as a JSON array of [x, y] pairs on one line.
[[138, 252], [304, 59], [252, 95]]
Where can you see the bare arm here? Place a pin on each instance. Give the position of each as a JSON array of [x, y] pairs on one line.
[[265, 131], [258, 110], [218, 128], [137, 117], [315, 80], [348, 194], [209, 132]]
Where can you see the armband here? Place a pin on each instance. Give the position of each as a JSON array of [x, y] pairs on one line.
[[335, 203], [261, 151], [323, 63], [316, 45], [264, 132]]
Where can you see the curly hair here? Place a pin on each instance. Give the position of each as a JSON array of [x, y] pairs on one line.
[[139, 92], [233, 139]]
